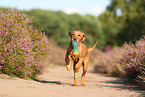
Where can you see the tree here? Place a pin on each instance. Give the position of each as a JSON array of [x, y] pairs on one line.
[[131, 15]]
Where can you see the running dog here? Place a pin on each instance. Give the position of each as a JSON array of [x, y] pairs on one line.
[[81, 59]]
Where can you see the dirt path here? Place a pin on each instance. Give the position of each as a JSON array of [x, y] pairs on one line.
[[56, 82]]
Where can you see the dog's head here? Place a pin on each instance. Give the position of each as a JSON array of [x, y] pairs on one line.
[[77, 36]]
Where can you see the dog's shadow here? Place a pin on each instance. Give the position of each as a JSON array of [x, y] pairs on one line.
[[51, 82]]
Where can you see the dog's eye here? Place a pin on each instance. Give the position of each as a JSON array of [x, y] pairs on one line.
[[72, 34], [79, 35]]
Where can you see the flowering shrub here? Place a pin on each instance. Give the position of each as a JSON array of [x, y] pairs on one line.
[[23, 50], [133, 61], [107, 62]]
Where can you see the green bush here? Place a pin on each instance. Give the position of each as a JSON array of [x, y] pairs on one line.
[[23, 49]]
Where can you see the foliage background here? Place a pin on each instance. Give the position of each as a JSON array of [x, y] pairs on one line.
[[123, 20]]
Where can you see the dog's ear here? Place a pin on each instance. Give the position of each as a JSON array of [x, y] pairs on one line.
[[70, 32], [83, 37]]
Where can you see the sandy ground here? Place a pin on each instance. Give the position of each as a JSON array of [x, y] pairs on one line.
[[56, 82]]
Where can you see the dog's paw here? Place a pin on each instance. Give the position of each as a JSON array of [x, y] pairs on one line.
[[82, 84], [68, 67], [74, 84]]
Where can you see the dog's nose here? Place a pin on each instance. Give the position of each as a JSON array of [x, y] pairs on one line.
[[75, 39]]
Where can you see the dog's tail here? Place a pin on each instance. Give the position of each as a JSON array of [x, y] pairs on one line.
[[91, 49]]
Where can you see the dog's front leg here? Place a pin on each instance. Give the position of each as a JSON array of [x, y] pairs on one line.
[[68, 63], [78, 64], [76, 69], [75, 79]]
